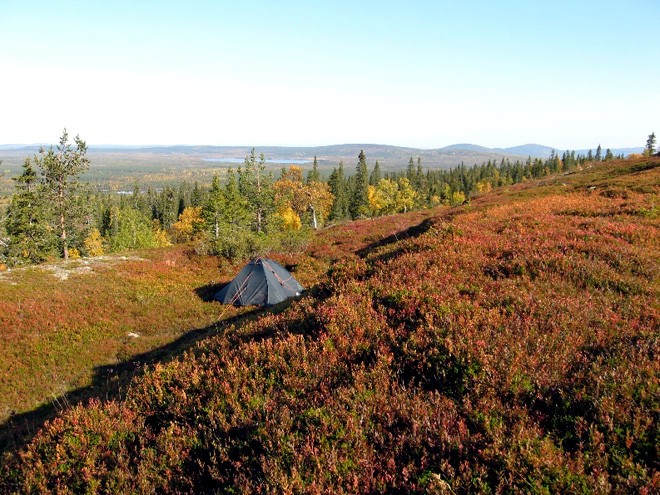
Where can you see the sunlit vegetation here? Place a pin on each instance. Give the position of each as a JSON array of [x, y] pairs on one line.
[[246, 212], [505, 344]]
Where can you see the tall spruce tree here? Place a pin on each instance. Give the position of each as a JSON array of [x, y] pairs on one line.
[[650, 145], [212, 209], [338, 188], [375, 176], [360, 194], [27, 223], [411, 173], [61, 171], [314, 175]]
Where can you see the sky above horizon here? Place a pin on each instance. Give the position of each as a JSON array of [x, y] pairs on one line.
[[426, 74]]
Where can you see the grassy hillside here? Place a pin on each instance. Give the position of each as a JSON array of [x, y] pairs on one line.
[[506, 345]]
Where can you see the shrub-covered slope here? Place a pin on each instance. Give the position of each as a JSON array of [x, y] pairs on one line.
[[510, 345]]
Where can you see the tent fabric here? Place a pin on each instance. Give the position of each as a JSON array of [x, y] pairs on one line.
[[262, 282]]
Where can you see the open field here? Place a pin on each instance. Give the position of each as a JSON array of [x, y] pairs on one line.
[[509, 344]]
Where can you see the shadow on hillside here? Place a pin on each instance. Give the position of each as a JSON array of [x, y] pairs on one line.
[[109, 382], [206, 292], [414, 231]]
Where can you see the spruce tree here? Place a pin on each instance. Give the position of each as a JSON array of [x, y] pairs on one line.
[[650, 145], [338, 188], [212, 209], [314, 175], [411, 173], [30, 239], [360, 193], [375, 176], [236, 212], [256, 186]]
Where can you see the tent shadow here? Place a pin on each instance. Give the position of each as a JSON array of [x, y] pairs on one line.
[[109, 382], [206, 292]]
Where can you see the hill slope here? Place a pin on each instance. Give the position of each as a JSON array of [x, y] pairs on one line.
[[506, 345]]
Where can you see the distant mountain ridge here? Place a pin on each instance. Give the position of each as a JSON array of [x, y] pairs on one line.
[[389, 157]]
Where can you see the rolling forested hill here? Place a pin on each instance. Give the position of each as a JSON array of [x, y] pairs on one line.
[[506, 345]]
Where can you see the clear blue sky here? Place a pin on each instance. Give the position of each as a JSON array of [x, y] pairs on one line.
[[568, 74]]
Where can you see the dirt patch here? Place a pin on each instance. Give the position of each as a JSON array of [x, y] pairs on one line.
[[63, 269]]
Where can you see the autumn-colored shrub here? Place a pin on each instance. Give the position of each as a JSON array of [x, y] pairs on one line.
[[506, 346]]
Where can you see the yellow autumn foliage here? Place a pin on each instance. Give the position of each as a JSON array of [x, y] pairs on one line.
[[190, 222], [94, 243], [290, 219]]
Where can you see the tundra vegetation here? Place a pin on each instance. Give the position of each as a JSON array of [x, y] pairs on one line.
[[504, 344]]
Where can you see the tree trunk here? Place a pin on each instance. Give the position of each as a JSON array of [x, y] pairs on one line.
[[313, 217], [65, 249]]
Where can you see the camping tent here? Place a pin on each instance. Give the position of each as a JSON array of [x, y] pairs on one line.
[[262, 282]]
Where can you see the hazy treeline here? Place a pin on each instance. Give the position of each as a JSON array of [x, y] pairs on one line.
[[54, 215]]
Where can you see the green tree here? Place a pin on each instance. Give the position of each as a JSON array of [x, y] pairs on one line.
[[225, 210], [314, 175], [360, 197], [650, 145], [167, 207], [31, 239], [411, 172], [338, 188], [132, 230], [213, 209], [236, 211], [61, 171], [609, 155], [599, 152], [375, 176], [256, 186]]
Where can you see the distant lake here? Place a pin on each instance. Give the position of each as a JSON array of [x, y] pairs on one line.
[[241, 160]]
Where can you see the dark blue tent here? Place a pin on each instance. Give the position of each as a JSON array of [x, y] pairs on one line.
[[262, 282]]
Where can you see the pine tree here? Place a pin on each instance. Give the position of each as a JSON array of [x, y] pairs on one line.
[[61, 171], [360, 194], [598, 156]]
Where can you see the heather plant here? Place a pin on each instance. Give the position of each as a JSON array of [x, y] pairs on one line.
[[506, 346]]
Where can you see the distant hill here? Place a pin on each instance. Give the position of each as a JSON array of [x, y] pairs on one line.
[[467, 147], [389, 157], [533, 150]]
